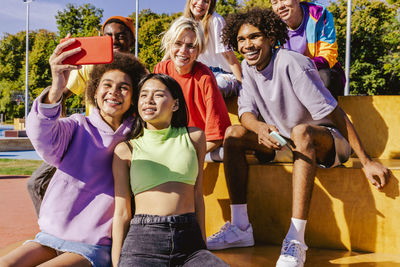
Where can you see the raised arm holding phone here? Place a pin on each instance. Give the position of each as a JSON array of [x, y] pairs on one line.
[[76, 212], [121, 31]]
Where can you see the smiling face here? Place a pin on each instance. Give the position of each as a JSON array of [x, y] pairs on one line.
[[156, 105], [184, 52], [114, 96], [254, 46], [289, 11], [199, 8], [121, 36]]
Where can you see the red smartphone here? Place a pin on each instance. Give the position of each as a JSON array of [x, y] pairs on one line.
[[95, 50]]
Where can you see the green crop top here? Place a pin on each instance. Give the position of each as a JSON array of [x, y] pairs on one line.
[[161, 156]]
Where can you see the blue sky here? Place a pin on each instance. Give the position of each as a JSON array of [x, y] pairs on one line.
[[42, 12]]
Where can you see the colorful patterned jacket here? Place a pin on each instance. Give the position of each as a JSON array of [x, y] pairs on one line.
[[321, 37]]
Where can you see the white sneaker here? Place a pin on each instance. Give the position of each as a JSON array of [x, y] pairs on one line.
[[231, 236], [293, 254]]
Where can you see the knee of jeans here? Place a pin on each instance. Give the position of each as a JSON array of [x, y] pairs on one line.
[[222, 82], [227, 85]]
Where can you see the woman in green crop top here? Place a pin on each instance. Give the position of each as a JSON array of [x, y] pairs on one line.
[[162, 168]]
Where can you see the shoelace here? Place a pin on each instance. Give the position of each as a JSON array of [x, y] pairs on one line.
[[221, 231], [292, 249]]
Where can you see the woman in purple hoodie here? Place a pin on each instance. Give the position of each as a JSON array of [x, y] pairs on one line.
[[76, 213]]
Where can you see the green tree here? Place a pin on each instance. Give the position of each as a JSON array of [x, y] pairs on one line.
[[12, 69], [256, 3], [391, 60], [40, 73], [151, 27], [394, 2], [12, 62], [225, 7], [374, 45], [12, 55], [79, 21]]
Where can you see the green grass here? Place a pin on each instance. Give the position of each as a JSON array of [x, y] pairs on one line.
[[18, 166]]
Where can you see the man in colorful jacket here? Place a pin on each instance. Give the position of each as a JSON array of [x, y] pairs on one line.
[[312, 33]]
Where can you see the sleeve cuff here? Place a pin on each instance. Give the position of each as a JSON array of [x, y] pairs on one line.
[[44, 105]]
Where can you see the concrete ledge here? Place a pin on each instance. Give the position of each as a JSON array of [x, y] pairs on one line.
[[15, 144], [375, 118], [15, 133], [267, 255], [347, 212]]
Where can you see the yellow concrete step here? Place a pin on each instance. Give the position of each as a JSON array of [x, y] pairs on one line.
[[376, 119], [347, 212], [267, 255]]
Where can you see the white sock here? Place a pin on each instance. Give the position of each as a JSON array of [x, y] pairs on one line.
[[239, 216], [217, 155], [296, 230]]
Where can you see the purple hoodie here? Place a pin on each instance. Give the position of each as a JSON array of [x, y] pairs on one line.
[[79, 201]]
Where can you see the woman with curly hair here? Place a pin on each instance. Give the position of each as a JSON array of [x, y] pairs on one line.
[[219, 58], [77, 210]]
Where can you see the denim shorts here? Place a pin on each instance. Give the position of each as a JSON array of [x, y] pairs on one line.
[[99, 256], [166, 241]]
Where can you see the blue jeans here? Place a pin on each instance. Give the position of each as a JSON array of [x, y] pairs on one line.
[[166, 241], [226, 81]]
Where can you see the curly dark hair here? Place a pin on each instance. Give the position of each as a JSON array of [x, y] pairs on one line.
[[264, 19], [179, 117], [125, 62]]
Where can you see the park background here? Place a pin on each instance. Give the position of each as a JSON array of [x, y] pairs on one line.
[[375, 46]]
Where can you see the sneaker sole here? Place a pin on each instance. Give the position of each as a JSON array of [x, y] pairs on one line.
[[240, 244], [284, 264]]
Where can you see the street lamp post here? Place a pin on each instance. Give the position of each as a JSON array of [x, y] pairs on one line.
[[348, 49], [137, 29], [27, 60]]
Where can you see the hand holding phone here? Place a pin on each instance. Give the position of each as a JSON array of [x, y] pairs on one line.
[[278, 138], [94, 50]]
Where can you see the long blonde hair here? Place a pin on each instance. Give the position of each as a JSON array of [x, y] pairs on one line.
[[205, 21]]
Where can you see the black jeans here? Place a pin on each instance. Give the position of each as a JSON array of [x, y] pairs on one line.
[[332, 80], [38, 182], [166, 241]]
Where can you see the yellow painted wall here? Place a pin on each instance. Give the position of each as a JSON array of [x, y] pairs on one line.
[[377, 121]]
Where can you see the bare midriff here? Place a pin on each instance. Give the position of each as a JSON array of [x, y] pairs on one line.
[[171, 198]]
